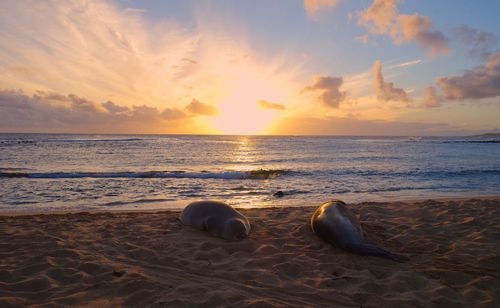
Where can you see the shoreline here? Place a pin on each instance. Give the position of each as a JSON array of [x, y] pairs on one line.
[[180, 207], [111, 259]]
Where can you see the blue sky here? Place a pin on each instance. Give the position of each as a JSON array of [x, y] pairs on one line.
[[282, 26], [186, 66]]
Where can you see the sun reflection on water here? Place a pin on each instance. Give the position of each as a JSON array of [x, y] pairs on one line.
[[244, 152]]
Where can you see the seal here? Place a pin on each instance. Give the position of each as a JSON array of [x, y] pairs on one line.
[[334, 223], [217, 218]]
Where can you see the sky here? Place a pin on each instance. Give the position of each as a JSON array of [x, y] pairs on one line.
[[286, 67]]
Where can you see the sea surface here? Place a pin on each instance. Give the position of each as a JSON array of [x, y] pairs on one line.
[[59, 172]]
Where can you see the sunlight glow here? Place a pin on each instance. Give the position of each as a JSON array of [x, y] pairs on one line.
[[240, 113], [243, 118]]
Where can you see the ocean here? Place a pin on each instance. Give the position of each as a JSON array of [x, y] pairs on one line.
[[61, 172]]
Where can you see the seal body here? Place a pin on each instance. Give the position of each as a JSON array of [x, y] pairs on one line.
[[334, 223], [217, 218]]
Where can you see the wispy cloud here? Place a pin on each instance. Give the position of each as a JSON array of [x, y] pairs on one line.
[[479, 43], [135, 10], [98, 50], [92, 47], [407, 64]]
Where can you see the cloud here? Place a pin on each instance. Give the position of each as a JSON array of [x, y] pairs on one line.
[[135, 10], [382, 18], [431, 98], [108, 53], [351, 126], [53, 112], [199, 108], [330, 90], [362, 38], [386, 91], [173, 114], [94, 47], [481, 82], [111, 53], [379, 17], [268, 105], [313, 6], [419, 28], [114, 108], [407, 64], [479, 43]]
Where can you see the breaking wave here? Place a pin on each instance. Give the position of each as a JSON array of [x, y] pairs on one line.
[[260, 174]]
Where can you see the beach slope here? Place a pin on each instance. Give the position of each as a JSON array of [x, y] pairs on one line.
[[141, 259]]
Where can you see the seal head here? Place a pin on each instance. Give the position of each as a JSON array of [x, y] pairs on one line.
[[236, 228]]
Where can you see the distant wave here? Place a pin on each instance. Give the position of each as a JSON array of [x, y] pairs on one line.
[[426, 173], [145, 200], [31, 141], [395, 189], [9, 169], [260, 174], [11, 142], [93, 140], [472, 141], [443, 173]]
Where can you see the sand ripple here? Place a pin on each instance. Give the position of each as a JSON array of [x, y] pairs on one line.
[[142, 259]]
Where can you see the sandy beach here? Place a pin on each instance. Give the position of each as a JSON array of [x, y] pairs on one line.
[[142, 259]]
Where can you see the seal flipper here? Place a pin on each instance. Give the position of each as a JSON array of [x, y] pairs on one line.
[[372, 250]]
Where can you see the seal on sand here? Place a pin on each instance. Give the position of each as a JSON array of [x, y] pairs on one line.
[[334, 223], [217, 218]]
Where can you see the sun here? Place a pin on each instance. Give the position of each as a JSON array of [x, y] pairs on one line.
[[239, 112], [243, 118]]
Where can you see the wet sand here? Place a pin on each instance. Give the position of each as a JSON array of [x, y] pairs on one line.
[[141, 259]]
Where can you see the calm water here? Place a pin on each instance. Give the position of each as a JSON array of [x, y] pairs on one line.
[[60, 172]]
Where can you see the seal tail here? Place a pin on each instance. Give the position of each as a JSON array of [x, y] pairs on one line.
[[372, 250]]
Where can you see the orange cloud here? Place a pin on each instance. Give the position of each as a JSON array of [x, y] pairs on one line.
[[110, 54], [382, 18], [379, 16], [313, 6], [96, 48], [53, 112], [329, 87], [197, 107], [386, 91], [268, 105], [350, 126], [431, 98], [481, 82]]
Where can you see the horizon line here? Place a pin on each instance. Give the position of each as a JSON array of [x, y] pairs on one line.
[[243, 135]]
